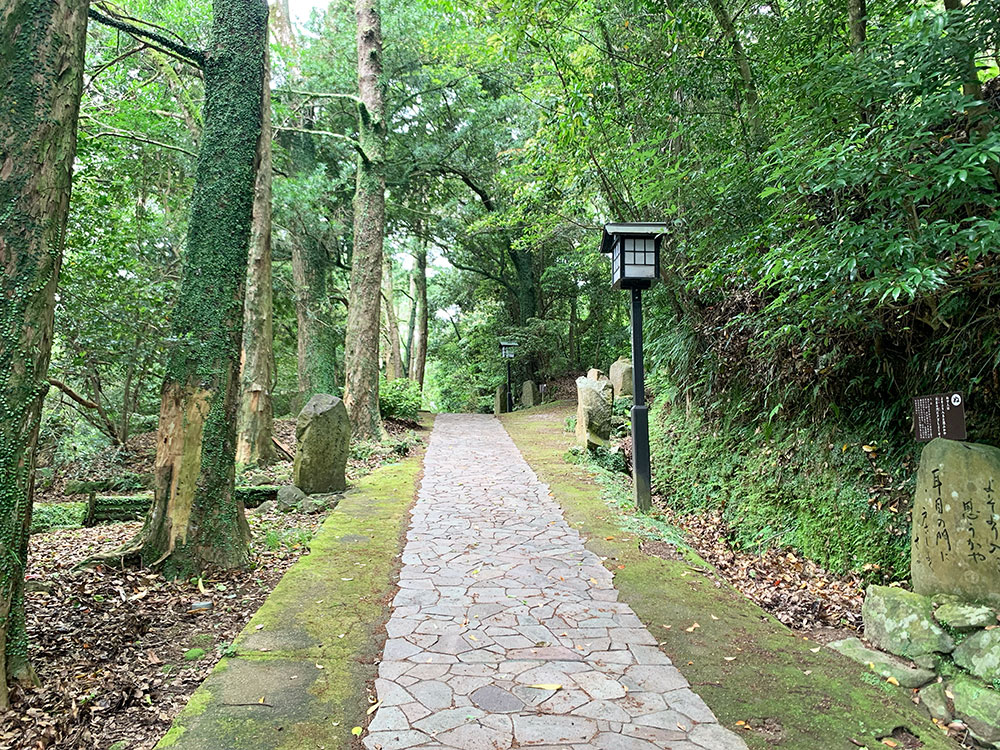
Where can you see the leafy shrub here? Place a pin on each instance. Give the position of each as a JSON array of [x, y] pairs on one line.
[[399, 398]]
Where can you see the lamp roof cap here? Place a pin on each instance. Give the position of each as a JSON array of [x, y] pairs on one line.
[[631, 229]]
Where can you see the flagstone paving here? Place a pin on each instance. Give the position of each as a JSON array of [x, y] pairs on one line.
[[506, 632]]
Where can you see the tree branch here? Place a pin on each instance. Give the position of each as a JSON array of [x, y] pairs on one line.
[[318, 94], [190, 54], [72, 394], [140, 139], [329, 134]]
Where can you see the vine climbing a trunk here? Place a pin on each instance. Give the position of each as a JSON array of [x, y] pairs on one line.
[[41, 80], [195, 520]]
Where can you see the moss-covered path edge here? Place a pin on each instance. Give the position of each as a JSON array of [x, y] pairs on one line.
[[753, 672], [300, 671]]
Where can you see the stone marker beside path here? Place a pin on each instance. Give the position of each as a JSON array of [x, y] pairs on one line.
[[500, 401], [593, 412], [595, 374], [621, 377], [323, 435], [529, 394], [955, 538]]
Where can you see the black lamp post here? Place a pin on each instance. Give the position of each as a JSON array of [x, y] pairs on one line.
[[507, 352], [635, 265]]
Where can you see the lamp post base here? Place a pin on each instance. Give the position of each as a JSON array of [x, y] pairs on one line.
[[641, 474]]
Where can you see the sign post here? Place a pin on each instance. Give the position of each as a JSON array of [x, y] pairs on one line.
[[941, 415]]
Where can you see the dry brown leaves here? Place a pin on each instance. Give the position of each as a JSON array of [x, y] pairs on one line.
[[797, 591], [108, 644]]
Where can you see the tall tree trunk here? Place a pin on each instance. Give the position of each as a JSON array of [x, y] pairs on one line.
[[527, 289], [253, 444], [742, 62], [411, 327], [41, 80], [857, 21], [316, 343], [195, 519], [418, 360], [362, 340], [394, 362], [281, 25]]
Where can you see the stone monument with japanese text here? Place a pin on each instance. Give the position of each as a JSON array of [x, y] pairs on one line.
[[956, 522]]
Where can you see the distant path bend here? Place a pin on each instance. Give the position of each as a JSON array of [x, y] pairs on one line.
[[499, 604]]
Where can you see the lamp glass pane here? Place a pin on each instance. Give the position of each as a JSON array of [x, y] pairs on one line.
[[643, 272]]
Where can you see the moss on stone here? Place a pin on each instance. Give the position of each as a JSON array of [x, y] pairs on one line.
[[311, 650], [766, 684]]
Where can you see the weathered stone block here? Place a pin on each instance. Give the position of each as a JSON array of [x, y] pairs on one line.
[[620, 375], [902, 623], [979, 707], [529, 394], [290, 498], [965, 617], [500, 401], [593, 412], [934, 699], [883, 664], [595, 374], [956, 522], [323, 437], [980, 654]]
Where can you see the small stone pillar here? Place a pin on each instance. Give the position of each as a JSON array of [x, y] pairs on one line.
[[621, 377], [529, 394], [323, 437], [593, 412], [955, 536], [500, 400]]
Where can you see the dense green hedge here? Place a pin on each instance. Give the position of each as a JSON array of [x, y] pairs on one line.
[[48, 516], [817, 491]]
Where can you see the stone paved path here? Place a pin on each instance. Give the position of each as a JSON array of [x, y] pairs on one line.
[[499, 602]]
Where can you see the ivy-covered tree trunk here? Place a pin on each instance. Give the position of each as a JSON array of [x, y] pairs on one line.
[[418, 355], [253, 445], [361, 348], [41, 80], [195, 519]]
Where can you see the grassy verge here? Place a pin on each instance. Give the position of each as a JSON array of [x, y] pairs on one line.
[[781, 690], [299, 673]]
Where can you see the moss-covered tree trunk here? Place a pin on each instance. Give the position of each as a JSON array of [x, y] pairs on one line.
[[41, 79], [195, 520], [253, 445], [418, 355], [361, 348]]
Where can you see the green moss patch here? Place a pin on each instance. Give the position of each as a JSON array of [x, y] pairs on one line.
[[301, 667], [810, 488], [745, 664]]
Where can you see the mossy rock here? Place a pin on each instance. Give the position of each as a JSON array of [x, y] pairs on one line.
[[194, 654], [980, 655], [903, 623], [979, 707], [888, 667], [253, 495], [965, 617]]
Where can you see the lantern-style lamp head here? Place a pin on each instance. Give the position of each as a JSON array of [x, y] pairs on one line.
[[635, 253], [507, 349]]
